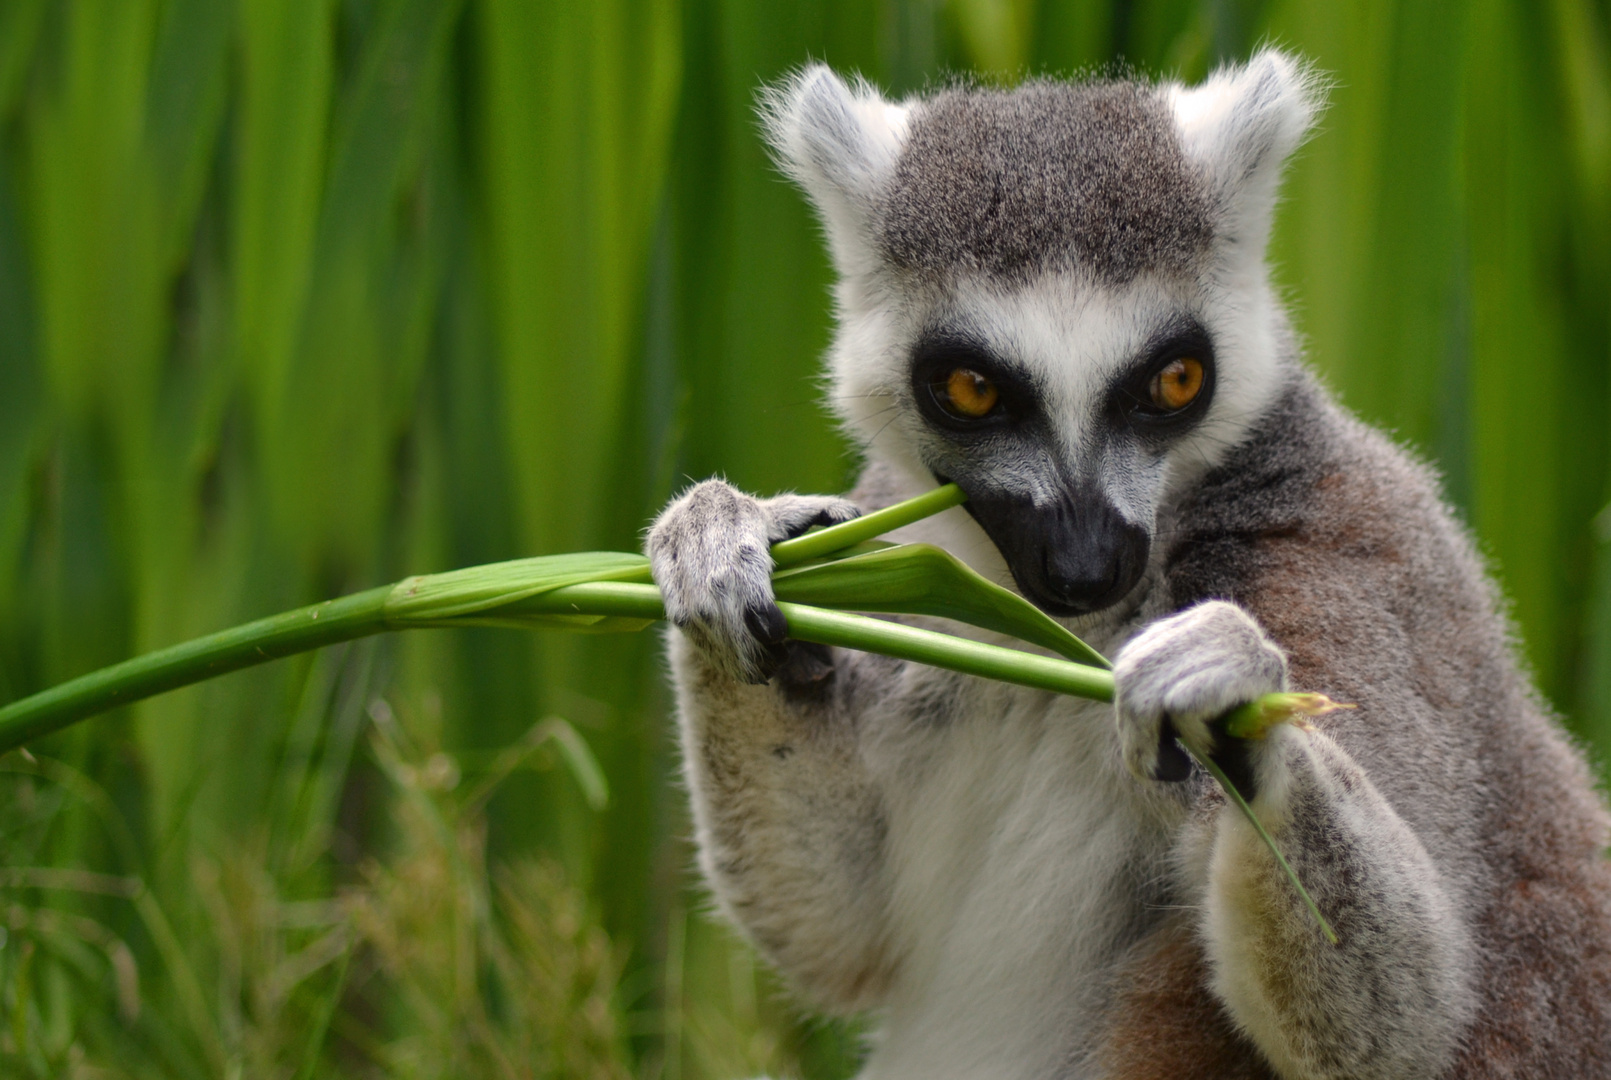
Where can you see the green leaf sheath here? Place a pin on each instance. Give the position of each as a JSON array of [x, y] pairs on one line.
[[478, 589]]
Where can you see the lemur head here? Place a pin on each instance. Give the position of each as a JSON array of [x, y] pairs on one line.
[[1055, 296]]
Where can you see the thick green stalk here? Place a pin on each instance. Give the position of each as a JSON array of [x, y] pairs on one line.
[[376, 611]]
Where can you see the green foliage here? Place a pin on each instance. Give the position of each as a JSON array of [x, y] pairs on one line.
[[298, 297]]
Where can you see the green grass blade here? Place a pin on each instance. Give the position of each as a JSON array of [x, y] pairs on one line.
[[20, 21], [579, 759], [185, 102], [1253, 819], [920, 579], [823, 542]]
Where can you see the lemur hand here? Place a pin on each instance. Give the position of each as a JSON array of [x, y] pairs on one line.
[[1179, 675], [710, 554]]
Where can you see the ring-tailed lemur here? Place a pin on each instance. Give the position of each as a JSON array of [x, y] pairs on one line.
[[1056, 296]]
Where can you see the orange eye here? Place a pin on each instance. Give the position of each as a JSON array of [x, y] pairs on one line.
[[968, 394], [1178, 384]]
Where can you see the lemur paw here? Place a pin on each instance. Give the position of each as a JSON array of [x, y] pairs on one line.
[[1179, 675], [710, 554]]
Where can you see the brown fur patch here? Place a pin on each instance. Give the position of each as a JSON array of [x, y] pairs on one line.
[[1548, 974], [1165, 1023]]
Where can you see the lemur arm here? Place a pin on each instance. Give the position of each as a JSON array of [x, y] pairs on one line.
[[789, 826], [1393, 996]]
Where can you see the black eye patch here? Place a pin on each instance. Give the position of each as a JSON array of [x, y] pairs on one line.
[[1170, 386], [960, 385]]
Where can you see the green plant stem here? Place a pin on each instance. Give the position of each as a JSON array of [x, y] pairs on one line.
[[433, 600], [349, 617], [371, 612], [808, 623]]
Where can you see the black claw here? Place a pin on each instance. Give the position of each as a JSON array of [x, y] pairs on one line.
[[1174, 764], [772, 633], [807, 674], [767, 624], [1233, 757], [822, 517]]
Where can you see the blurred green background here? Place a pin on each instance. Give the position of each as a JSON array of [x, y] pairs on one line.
[[301, 296]]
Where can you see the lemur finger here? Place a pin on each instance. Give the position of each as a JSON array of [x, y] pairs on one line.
[[1172, 764], [799, 667], [767, 626], [807, 669], [792, 515]]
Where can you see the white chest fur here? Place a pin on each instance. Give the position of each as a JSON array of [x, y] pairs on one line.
[[1019, 859]]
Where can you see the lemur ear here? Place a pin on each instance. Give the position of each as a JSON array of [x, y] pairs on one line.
[[1240, 126], [839, 142]]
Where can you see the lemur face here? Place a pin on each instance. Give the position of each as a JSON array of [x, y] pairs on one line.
[[1054, 296], [1060, 410]]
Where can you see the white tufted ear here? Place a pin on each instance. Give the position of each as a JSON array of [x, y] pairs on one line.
[[1240, 126], [839, 143]]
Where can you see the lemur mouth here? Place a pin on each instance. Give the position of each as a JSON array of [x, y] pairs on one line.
[[1071, 557]]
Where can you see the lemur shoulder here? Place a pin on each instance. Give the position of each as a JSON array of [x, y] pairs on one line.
[[1057, 297]]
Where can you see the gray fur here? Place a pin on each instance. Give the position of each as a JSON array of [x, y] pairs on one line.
[[1046, 176], [992, 869]]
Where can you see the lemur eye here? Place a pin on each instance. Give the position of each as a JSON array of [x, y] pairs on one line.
[[965, 393], [1177, 384]]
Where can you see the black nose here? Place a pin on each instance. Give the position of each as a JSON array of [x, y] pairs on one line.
[[1094, 564], [1073, 555]]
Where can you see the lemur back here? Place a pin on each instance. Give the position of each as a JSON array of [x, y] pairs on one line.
[[1057, 297]]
